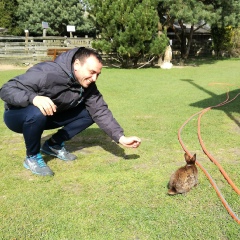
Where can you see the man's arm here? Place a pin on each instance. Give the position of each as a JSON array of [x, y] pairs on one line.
[[14, 93], [103, 117], [21, 90]]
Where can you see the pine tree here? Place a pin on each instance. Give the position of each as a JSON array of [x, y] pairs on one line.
[[58, 14], [193, 12], [128, 28], [226, 24], [217, 13], [7, 15]]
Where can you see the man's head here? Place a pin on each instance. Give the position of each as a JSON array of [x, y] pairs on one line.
[[87, 65]]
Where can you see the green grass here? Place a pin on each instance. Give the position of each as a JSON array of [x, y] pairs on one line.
[[116, 193]]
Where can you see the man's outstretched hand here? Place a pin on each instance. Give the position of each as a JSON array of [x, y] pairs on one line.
[[130, 142]]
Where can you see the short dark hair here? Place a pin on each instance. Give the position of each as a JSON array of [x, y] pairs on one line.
[[84, 52]]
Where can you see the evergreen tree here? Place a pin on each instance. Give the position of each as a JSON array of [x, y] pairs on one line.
[[57, 13], [224, 27], [228, 12], [128, 28], [221, 39], [194, 12], [217, 13], [7, 15]]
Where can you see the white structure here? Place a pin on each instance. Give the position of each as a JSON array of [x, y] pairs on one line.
[[167, 58]]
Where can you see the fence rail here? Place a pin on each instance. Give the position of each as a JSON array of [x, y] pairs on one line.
[[34, 49]]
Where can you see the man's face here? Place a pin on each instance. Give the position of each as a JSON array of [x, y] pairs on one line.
[[87, 72]]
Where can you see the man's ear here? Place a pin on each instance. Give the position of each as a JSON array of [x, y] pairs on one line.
[[76, 64]]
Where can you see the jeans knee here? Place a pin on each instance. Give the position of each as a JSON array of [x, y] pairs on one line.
[[86, 115], [35, 116]]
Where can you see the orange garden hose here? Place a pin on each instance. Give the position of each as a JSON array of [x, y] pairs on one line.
[[228, 208]]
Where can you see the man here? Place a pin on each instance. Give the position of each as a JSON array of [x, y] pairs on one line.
[[58, 94]]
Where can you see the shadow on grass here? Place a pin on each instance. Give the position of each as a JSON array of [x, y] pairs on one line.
[[215, 99], [93, 137]]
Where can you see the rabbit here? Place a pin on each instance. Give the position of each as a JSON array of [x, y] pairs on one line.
[[186, 177]]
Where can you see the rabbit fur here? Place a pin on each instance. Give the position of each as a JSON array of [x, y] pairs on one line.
[[186, 177]]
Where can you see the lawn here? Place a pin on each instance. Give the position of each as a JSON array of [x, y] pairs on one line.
[[115, 193]]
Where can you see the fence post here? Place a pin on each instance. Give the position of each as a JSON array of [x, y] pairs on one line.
[[26, 40]]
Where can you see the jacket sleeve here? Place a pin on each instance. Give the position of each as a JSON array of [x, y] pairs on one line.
[[21, 90], [102, 115]]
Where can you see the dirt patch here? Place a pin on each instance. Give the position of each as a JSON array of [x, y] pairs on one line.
[[4, 67]]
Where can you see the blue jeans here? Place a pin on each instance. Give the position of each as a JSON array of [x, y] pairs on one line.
[[31, 123]]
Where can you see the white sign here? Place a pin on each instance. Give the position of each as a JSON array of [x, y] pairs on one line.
[[70, 28], [44, 24]]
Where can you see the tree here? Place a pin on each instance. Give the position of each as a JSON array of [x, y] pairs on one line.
[[5, 19], [221, 39], [58, 14], [7, 15], [223, 29], [128, 28], [235, 50], [197, 13]]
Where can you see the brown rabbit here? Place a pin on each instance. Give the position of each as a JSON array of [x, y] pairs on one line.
[[184, 178]]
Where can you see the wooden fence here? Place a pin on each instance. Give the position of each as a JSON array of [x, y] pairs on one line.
[[18, 50]]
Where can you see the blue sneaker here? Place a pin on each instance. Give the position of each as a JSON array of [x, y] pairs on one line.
[[37, 165], [58, 151]]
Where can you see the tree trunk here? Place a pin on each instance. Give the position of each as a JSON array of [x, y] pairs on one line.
[[160, 60], [183, 39], [189, 43]]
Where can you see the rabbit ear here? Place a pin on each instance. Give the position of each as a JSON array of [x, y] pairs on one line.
[[194, 157], [187, 157]]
